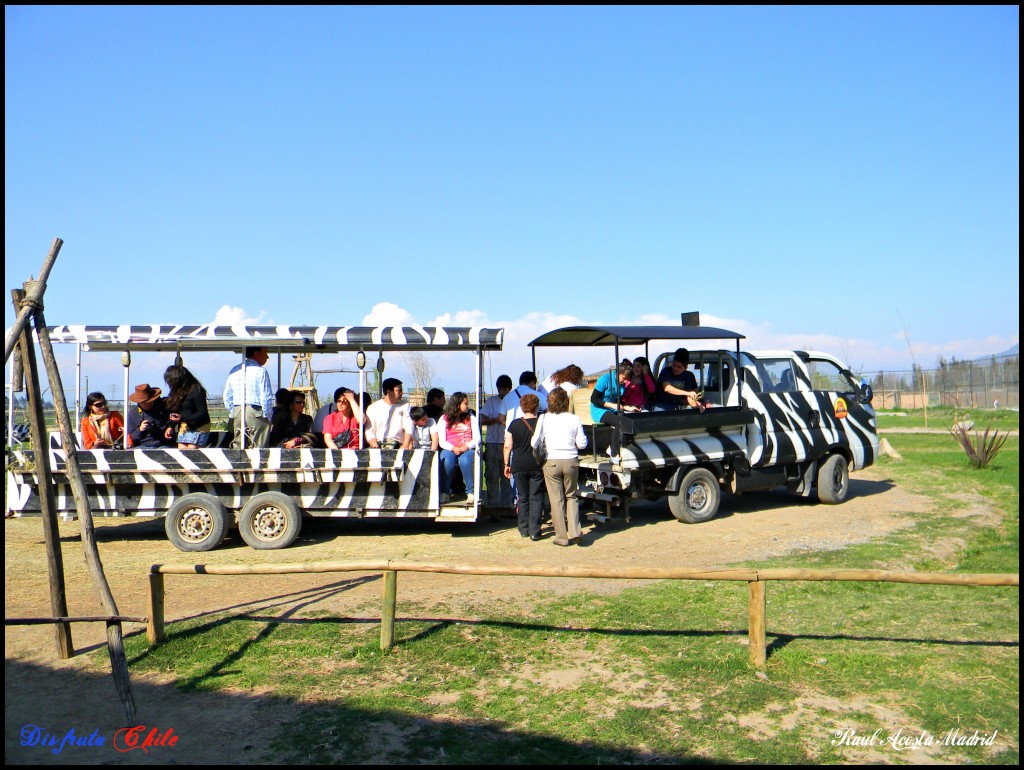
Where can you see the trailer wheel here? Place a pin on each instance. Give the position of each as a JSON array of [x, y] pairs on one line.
[[270, 521], [698, 497], [196, 522], [833, 480]]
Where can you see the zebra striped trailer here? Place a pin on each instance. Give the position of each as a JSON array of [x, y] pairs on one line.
[[202, 492]]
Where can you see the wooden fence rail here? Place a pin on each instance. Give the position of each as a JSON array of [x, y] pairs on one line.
[[756, 580]]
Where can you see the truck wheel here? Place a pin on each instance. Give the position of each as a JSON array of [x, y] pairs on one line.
[[698, 497], [833, 480], [270, 521], [196, 522]]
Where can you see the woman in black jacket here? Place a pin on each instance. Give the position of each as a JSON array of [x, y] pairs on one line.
[[187, 406]]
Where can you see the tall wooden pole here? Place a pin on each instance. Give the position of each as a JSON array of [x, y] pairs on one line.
[[41, 455], [33, 299], [115, 642]]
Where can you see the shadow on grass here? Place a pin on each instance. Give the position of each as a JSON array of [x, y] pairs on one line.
[[437, 625], [243, 728]]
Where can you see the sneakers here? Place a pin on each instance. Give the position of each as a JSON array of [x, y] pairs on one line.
[[470, 499], [445, 498]]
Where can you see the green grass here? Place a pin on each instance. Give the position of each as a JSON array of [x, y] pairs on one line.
[[660, 673], [942, 417]]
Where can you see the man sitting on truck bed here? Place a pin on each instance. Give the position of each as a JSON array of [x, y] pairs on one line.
[[677, 387]]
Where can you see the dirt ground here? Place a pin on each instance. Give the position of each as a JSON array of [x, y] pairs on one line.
[[233, 728]]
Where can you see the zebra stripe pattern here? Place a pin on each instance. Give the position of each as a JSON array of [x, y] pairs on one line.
[[343, 483]]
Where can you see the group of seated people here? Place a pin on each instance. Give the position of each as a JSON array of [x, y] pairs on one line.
[[631, 386], [180, 419]]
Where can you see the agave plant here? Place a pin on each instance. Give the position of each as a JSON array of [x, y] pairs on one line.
[[980, 450]]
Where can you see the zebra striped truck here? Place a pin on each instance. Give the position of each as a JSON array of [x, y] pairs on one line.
[[793, 418]]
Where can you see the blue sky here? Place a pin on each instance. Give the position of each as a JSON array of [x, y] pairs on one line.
[[830, 178]]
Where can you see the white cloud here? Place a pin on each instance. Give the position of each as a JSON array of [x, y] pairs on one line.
[[388, 314], [236, 316]]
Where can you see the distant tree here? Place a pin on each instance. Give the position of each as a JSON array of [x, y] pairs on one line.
[[422, 371]]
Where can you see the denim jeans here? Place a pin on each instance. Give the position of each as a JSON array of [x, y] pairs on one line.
[[448, 461]]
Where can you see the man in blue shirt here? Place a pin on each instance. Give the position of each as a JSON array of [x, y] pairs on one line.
[[677, 387], [248, 387]]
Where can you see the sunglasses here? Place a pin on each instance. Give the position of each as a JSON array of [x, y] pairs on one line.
[[101, 404]]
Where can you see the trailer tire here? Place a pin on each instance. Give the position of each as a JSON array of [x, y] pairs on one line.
[[698, 497], [270, 521], [833, 480], [196, 522]]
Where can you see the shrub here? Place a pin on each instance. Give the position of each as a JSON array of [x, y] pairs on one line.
[[980, 450]]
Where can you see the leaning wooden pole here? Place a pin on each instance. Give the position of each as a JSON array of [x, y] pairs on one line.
[[115, 643], [51, 532], [24, 313]]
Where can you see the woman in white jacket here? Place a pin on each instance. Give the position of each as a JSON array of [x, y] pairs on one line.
[[562, 435]]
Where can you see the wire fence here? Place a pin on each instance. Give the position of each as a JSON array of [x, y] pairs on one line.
[[981, 384]]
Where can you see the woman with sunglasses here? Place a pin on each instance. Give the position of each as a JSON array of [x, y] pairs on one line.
[[291, 429], [101, 428]]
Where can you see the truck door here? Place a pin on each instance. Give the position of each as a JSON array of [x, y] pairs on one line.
[[847, 418], [785, 417]]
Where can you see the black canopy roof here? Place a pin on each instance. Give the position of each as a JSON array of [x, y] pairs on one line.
[[629, 335]]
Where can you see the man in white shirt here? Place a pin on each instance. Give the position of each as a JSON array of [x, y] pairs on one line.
[[388, 419], [510, 404], [499, 490]]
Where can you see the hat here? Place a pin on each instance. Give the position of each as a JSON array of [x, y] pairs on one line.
[[144, 394]]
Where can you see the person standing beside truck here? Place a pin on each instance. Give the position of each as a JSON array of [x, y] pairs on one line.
[[248, 387], [510, 404], [521, 465], [562, 435], [499, 491], [677, 387]]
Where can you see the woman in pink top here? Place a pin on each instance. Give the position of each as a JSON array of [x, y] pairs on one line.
[[458, 436], [641, 386], [341, 428]]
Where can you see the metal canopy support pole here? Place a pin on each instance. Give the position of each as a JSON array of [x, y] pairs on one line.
[[78, 378], [243, 410], [479, 451]]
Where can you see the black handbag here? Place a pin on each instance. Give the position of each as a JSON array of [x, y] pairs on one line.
[[540, 450]]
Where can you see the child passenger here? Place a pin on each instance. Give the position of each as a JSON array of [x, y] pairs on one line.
[[424, 430]]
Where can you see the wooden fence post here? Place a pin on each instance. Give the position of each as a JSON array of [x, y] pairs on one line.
[[757, 606], [387, 618], [155, 622]]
